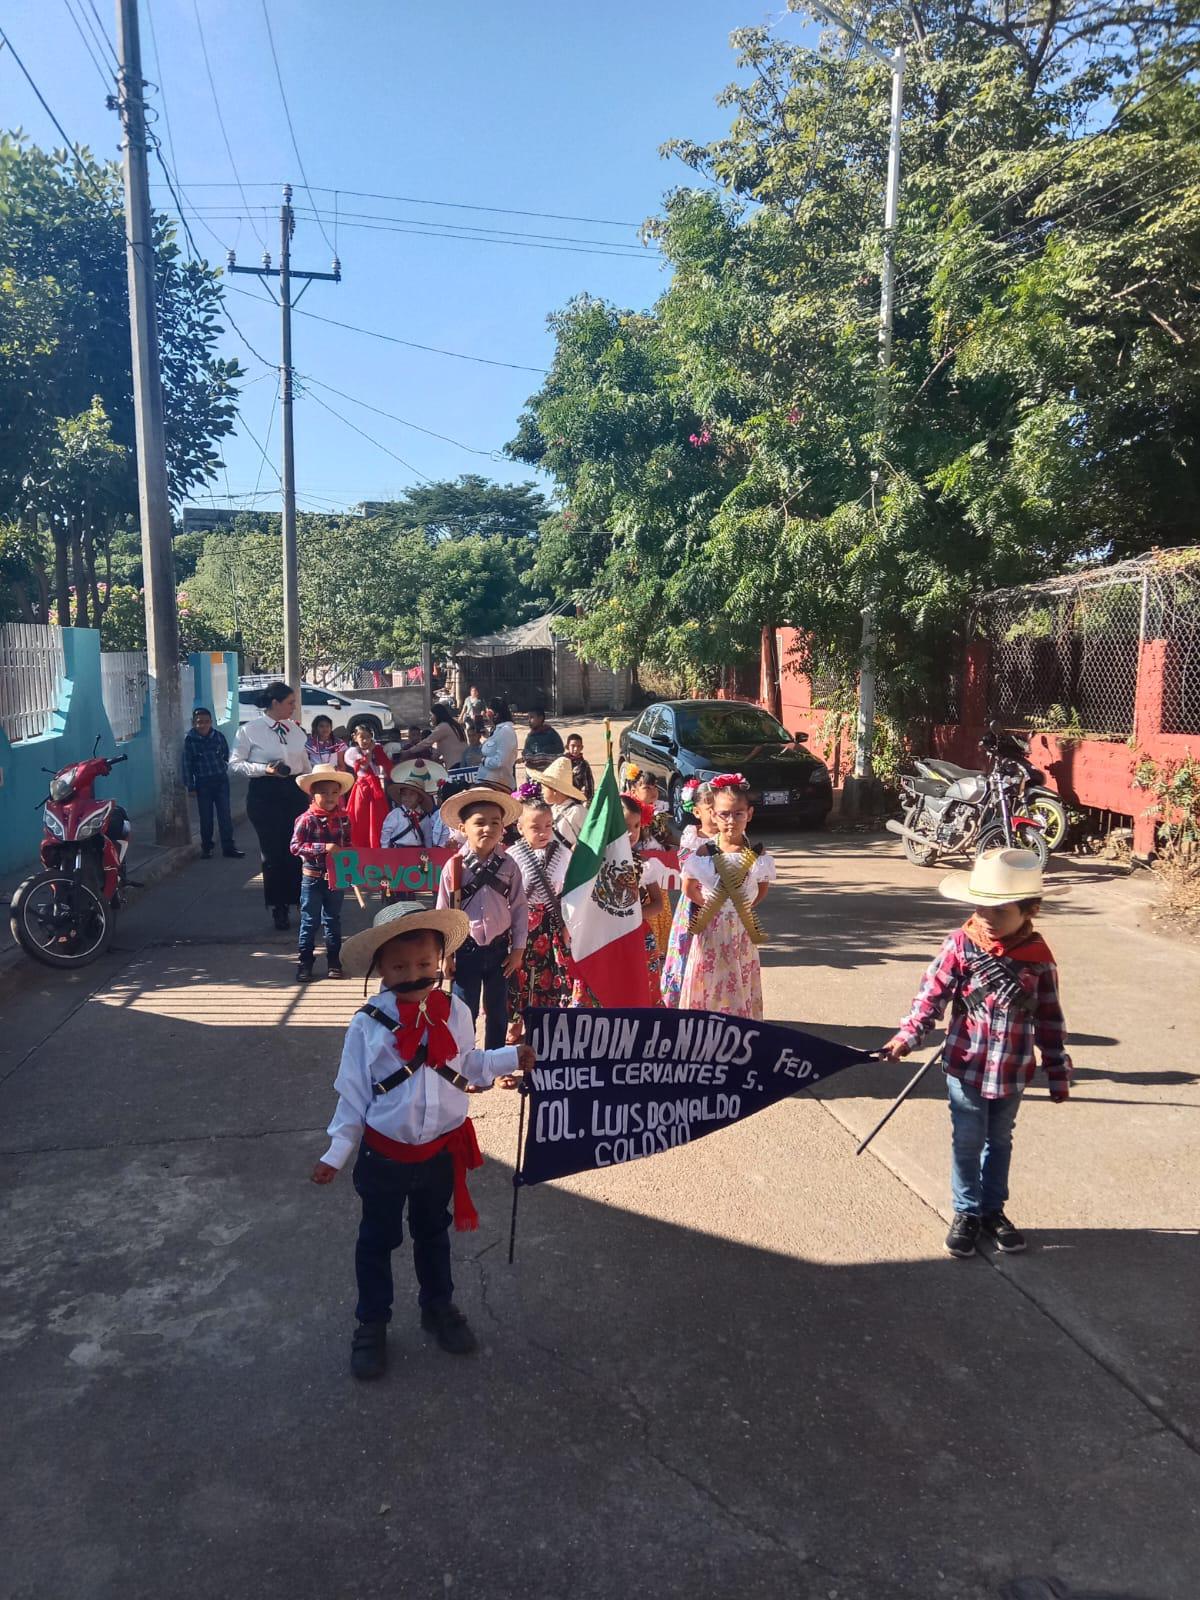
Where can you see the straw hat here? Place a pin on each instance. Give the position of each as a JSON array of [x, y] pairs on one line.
[[452, 810], [418, 774], [997, 878], [402, 916], [559, 776], [324, 773]]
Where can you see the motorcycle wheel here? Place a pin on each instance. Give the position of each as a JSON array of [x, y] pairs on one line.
[[919, 855], [1053, 816], [1024, 838], [42, 923]]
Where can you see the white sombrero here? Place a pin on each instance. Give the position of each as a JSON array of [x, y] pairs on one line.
[[324, 773], [559, 776], [418, 774], [451, 810], [403, 916], [997, 878]]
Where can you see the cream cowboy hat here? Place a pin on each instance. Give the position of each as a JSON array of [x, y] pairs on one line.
[[324, 773], [418, 774], [451, 811], [997, 878], [403, 916], [560, 777]]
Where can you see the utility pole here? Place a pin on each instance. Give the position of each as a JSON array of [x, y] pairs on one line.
[[285, 273], [894, 60], [158, 562]]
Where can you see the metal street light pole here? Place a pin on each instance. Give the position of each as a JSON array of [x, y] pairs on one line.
[[894, 60]]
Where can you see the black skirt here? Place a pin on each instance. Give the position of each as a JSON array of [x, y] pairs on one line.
[[273, 804]]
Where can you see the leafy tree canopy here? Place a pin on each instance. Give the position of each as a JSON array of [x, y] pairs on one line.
[[467, 507]]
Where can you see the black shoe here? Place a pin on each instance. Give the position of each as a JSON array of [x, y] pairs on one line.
[[1008, 1240], [206, 853], [282, 921], [450, 1328], [335, 972], [304, 971], [234, 855], [368, 1350], [963, 1235]]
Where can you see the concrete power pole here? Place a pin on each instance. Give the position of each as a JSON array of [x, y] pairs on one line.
[[158, 562], [285, 273]]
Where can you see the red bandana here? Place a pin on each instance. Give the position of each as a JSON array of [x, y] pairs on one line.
[[432, 1013], [1023, 945]]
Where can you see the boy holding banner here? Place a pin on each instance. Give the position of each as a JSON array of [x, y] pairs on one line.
[[408, 1060], [1001, 983]]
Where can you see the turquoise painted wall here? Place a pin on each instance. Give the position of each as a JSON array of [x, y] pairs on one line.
[[72, 732]]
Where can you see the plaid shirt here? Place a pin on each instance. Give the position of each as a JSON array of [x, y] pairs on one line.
[[204, 757], [993, 1054], [318, 831]]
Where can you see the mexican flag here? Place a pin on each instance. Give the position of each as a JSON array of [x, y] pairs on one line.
[[601, 905]]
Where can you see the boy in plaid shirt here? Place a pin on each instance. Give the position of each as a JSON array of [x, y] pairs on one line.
[[1002, 985], [323, 827]]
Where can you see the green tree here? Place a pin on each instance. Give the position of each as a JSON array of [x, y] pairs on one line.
[[469, 506]]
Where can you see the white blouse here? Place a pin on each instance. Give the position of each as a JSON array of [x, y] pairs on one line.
[[261, 741], [702, 869], [498, 763]]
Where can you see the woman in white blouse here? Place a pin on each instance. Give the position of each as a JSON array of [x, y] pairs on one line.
[[269, 750], [499, 762]]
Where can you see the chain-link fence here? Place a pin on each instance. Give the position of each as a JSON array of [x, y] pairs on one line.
[[1065, 652]]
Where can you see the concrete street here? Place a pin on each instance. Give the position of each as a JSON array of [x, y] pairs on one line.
[[744, 1368]]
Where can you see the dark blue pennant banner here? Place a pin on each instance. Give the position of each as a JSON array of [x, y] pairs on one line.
[[614, 1086]]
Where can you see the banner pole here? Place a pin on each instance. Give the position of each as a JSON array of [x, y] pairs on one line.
[[900, 1099], [608, 740], [512, 1232]]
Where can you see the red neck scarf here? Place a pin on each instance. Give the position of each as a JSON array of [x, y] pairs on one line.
[[1023, 945], [430, 1015]]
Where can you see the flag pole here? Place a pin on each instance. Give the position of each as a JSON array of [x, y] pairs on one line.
[[523, 1091], [608, 740], [900, 1099]]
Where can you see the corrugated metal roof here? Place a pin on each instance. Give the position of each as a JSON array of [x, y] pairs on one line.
[[532, 635]]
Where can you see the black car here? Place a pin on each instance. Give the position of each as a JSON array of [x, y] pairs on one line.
[[680, 739]]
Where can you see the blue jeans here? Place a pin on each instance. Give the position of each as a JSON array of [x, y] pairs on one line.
[[981, 1147], [212, 794], [317, 899], [479, 970]]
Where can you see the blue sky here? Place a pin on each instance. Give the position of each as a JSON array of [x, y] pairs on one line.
[[534, 106]]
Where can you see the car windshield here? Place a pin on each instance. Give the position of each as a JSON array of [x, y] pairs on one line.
[[717, 725]]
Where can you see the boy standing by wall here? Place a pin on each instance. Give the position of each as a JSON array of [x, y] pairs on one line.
[[1001, 982], [206, 775]]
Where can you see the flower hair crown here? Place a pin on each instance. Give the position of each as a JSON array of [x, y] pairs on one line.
[[729, 780], [528, 792]]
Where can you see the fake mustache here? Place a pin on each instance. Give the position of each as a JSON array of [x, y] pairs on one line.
[[412, 985]]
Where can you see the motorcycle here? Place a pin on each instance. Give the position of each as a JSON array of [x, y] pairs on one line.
[[65, 916], [1034, 799], [976, 812]]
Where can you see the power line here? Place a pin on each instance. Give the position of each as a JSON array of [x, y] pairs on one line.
[[409, 344], [220, 119], [62, 132], [88, 44], [370, 440], [103, 33], [262, 452], [392, 417], [416, 200], [291, 130]]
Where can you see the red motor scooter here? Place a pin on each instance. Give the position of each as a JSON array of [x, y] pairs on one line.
[[66, 915]]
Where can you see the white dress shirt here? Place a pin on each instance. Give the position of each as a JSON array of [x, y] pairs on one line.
[[261, 741], [569, 818], [422, 1108], [498, 760]]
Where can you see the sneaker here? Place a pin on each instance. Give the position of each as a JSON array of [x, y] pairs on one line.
[[963, 1235], [450, 1328], [234, 855], [368, 1350], [335, 972], [1008, 1239], [304, 971]]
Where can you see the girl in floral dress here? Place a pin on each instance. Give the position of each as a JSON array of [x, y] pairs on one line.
[[544, 979], [652, 876], [725, 880], [697, 799]]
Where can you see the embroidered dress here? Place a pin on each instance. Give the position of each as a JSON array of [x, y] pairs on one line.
[[659, 926], [545, 978], [649, 871], [368, 805], [679, 939], [722, 971]]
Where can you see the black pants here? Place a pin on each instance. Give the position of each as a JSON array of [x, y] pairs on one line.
[[384, 1186], [479, 971], [273, 804]]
